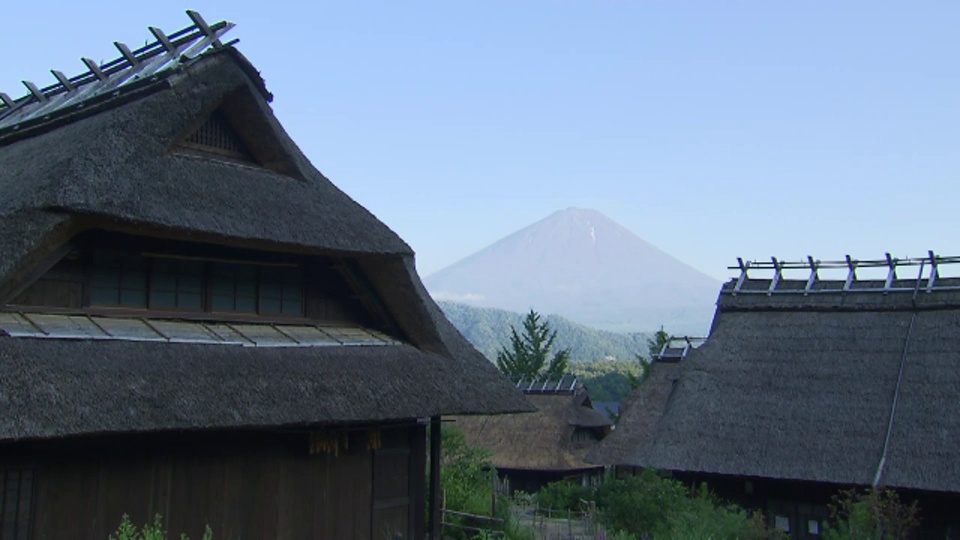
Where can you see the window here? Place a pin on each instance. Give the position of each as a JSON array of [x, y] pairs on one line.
[[583, 435], [172, 284], [234, 288], [16, 493], [176, 285], [281, 291], [118, 280]]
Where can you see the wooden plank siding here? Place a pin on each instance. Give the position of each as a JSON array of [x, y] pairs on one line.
[[243, 484]]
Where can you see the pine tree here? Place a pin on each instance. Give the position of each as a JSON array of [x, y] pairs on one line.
[[527, 354], [654, 346]]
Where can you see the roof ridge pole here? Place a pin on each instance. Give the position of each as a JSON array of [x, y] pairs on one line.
[[777, 274], [851, 275], [744, 266], [813, 275], [934, 272], [891, 274]]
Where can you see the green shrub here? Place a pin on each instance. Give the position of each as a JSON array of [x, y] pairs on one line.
[[640, 504], [648, 505], [705, 517], [876, 514], [466, 475], [563, 495], [150, 531]]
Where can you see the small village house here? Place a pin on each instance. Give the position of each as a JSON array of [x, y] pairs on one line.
[[808, 385], [195, 322], [533, 449]]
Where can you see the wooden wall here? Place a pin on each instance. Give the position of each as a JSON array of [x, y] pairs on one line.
[[244, 485]]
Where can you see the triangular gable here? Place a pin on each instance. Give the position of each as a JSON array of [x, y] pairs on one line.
[[215, 136], [237, 129]]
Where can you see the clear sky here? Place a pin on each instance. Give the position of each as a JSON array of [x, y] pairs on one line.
[[713, 129]]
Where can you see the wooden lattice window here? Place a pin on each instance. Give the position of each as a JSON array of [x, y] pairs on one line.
[[216, 136], [176, 284], [118, 280], [16, 494]]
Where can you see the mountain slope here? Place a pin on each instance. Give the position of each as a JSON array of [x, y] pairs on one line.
[[488, 329], [582, 265]]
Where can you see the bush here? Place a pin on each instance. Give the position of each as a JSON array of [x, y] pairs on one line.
[[876, 514], [662, 508], [703, 516], [150, 531], [563, 495], [639, 504], [466, 475]]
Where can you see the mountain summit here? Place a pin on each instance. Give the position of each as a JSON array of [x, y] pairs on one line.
[[582, 265]]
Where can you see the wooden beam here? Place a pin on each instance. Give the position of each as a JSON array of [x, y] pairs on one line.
[[435, 511]]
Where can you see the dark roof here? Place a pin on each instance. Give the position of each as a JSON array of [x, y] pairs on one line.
[[110, 165], [115, 168], [796, 386], [55, 388], [541, 440]]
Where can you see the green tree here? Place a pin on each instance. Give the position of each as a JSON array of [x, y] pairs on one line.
[[656, 343], [654, 346], [527, 354]]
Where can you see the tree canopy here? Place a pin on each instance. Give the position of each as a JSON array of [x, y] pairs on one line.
[[528, 352]]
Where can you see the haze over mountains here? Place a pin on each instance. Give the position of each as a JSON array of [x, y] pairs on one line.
[[582, 265]]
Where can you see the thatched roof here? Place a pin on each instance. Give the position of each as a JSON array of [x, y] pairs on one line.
[[795, 386], [110, 166], [541, 440], [53, 388]]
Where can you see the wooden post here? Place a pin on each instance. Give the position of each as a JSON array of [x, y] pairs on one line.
[[435, 511]]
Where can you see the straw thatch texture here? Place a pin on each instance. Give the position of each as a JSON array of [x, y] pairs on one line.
[[801, 387], [642, 409], [541, 440], [117, 165], [54, 388], [112, 166]]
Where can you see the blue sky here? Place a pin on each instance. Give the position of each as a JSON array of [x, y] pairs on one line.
[[712, 129]]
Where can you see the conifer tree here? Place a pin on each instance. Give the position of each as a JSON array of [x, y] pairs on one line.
[[528, 352]]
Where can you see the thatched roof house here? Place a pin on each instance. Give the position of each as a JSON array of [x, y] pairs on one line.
[[535, 448], [189, 308], [811, 383]]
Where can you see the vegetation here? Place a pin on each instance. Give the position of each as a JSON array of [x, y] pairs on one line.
[[649, 506], [527, 354], [563, 495], [488, 330], [876, 514], [466, 478], [655, 345], [149, 531], [606, 381]]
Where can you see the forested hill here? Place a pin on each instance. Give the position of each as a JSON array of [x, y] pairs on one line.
[[489, 329]]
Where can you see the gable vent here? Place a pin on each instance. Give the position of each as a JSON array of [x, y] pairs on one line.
[[215, 136]]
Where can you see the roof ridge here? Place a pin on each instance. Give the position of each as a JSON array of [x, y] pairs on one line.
[[154, 60]]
